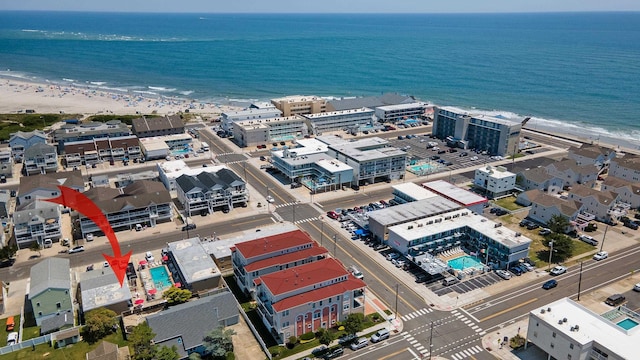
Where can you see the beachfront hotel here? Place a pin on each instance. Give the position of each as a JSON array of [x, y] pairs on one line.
[[339, 120], [261, 131], [400, 112], [228, 118], [497, 136], [300, 105]]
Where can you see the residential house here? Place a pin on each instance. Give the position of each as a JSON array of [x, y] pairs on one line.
[[186, 325], [88, 131], [627, 168], [571, 173], [45, 186], [207, 192], [308, 297], [40, 158], [35, 222], [494, 181], [597, 156], [143, 202], [19, 141], [544, 207], [539, 178], [109, 351], [157, 126], [94, 151], [598, 203], [101, 289], [628, 192], [252, 259], [50, 289]]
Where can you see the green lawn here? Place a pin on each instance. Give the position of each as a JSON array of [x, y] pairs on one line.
[[508, 203], [3, 328]]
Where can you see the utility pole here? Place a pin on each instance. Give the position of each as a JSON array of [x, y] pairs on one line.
[[431, 341], [396, 314], [335, 245], [321, 229], [550, 253], [579, 280], [604, 237]]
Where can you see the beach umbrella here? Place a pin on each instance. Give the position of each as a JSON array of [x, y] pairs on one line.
[[152, 291], [143, 262], [139, 301], [177, 285], [165, 258]]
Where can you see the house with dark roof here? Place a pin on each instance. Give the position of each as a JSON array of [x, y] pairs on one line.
[[89, 131], [45, 186], [207, 192], [40, 158], [157, 126], [371, 102], [597, 156], [98, 150], [186, 325], [539, 178], [308, 297], [252, 259], [627, 168], [50, 289], [143, 202], [35, 222], [62, 320], [21, 140], [5, 199], [598, 203], [628, 192], [545, 206], [572, 173], [109, 351], [101, 289]]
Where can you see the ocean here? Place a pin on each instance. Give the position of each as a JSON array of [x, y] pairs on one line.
[[571, 72]]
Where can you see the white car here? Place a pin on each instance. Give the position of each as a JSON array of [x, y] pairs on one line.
[[149, 256], [636, 287], [601, 255], [473, 158], [12, 338], [270, 199], [89, 237], [76, 249], [558, 270], [503, 274], [393, 256]]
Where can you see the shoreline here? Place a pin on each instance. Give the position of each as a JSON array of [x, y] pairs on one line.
[[18, 95]]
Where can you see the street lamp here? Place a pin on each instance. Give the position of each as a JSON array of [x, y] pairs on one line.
[[579, 280], [396, 313], [321, 229]]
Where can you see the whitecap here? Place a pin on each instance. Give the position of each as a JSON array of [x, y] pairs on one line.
[[160, 88], [69, 80], [186, 92], [99, 83]]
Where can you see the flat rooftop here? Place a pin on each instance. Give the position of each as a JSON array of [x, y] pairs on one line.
[[304, 147], [194, 261], [361, 111], [414, 210], [333, 165], [221, 249], [498, 172], [415, 191], [413, 105], [495, 119], [101, 288], [454, 193]]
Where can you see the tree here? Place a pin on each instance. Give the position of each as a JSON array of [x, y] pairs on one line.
[[98, 324], [140, 342], [218, 342], [176, 295], [353, 323], [8, 252], [36, 247], [167, 353], [562, 247], [558, 224], [195, 356], [326, 337]]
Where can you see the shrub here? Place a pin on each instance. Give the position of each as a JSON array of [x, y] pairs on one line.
[[319, 332], [376, 317], [387, 311], [307, 336], [230, 356], [292, 342], [516, 342]]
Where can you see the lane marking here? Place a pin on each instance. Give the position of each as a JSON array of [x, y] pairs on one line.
[[509, 309]]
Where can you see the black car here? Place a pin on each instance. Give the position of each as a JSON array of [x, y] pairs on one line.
[[550, 284], [189, 227], [337, 352], [347, 339], [532, 226], [420, 278]]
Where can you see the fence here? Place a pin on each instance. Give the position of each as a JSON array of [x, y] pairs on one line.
[[31, 342], [255, 332]]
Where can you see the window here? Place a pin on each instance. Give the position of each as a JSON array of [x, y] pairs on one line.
[[570, 346], [316, 315], [285, 313], [58, 305], [568, 356], [552, 345], [39, 313], [285, 324], [38, 304], [535, 334], [554, 334], [345, 307]]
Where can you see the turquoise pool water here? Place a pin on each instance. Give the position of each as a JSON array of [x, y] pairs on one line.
[[465, 262], [160, 277], [422, 167], [627, 324], [180, 151]]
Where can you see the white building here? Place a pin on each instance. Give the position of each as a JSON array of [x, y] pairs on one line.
[[228, 118], [627, 168], [465, 198], [565, 329], [495, 181], [169, 171], [395, 113], [598, 203], [409, 192], [338, 120], [261, 131], [628, 192], [545, 206], [539, 179]]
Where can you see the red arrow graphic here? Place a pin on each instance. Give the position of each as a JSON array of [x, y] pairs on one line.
[[81, 203]]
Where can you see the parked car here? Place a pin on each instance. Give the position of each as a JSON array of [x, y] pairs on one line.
[[524, 222], [333, 215], [347, 339], [12, 338], [337, 352], [550, 284], [532, 226], [149, 256], [420, 278], [503, 274], [636, 287], [392, 256], [380, 335], [601, 255], [588, 239], [76, 249], [615, 300], [558, 270], [544, 231], [516, 270], [89, 237], [189, 227], [359, 344], [270, 199], [527, 266]]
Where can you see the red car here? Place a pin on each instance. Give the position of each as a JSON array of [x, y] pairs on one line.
[[333, 215]]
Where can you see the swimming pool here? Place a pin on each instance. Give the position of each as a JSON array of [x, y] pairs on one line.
[[180, 151], [160, 276], [421, 168], [627, 324], [465, 262]]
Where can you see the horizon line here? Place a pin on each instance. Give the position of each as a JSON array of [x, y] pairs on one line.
[[325, 13]]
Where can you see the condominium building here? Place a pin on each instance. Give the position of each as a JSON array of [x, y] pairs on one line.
[[261, 131], [192, 266], [300, 105], [627, 168], [157, 126], [20, 140], [628, 192], [339, 120], [465, 198], [572, 173], [497, 136], [494, 181], [89, 131], [400, 112], [94, 151], [598, 203], [40, 158], [545, 206], [207, 192], [230, 117], [410, 192], [35, 222], [371, 102], [45, 186]]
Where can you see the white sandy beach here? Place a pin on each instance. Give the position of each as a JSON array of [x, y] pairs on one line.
[[18, 96]]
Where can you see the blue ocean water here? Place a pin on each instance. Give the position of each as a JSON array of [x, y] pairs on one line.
[[568, 70]]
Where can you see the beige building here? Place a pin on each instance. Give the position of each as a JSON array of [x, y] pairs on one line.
[[300, 105], [262, 131]]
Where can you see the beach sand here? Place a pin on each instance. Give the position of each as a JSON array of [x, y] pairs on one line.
[[18, 96]]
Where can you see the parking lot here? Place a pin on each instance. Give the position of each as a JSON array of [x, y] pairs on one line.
[[476, 282]]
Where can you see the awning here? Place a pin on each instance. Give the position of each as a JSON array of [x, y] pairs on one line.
[[177, 285], [143, 262], [139, 301], [152, 291], [165, 258]]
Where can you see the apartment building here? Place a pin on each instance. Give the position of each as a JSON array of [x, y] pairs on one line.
[[300, 105], [540, 179], [371, 102], [157, 126], [35, 222], [40, 158], [264, 131], [494, 181], [207, 192], [627, 168], [88, 131], [400, 112], [230, 117], [545, 206], [339, 120], [94, 151], [20, 140], [598, 203], [628, 192], [572, 173], [463, 197], [597, 156]]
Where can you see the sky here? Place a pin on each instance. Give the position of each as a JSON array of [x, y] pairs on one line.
[[324, 6]]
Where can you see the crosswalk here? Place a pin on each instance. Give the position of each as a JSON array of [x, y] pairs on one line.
[[416, 344], [415, 314], [301, 221], [287, 204], [463, 354], [468, 322]]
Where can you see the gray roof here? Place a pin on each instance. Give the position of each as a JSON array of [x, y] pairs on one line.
[[27, 135], [38, 150], [414, 210], [193, 260], [188, 183], [370, 101], [180, 320], [72, 179], [603, 197], [5, 197], [139, 194], [51, 273], [36, 209], [101, 288], [91, 130], [157, 123], [57, 322], [539, 175], [206, 181]]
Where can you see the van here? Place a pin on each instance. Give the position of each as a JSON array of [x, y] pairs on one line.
[[47, 243], [138, 227], [615, 300], [380, 335], [359, 344], [450, 281], [589, 240], [11, 323]]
